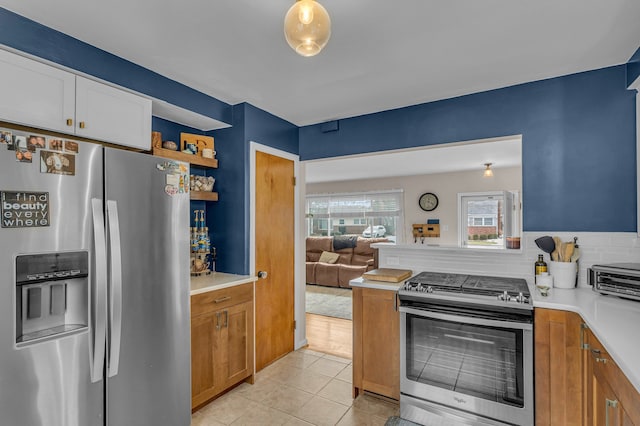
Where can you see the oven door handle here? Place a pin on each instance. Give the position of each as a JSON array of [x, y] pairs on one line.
[[466, 320]]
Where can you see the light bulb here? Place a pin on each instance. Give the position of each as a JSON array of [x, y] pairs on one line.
[[305, 12], [487, 171], [307, 27]]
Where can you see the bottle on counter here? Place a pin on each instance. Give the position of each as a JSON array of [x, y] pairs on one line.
[[540, 265]]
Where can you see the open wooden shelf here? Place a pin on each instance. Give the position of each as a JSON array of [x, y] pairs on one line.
[[187, 158], [204, 195]]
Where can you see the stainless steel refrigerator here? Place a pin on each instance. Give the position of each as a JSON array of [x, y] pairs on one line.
[[94, 273]]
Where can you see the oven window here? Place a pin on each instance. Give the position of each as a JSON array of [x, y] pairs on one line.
[[479, 361]]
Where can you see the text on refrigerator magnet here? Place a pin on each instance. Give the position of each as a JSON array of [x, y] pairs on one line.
[[24, 209]]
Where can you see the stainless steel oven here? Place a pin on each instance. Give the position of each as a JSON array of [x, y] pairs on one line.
[[466, 358]]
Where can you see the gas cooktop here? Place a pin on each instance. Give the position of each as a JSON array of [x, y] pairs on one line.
[[469, 287]]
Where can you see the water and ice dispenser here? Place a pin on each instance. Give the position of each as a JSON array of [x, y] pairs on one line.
[[52, 295]]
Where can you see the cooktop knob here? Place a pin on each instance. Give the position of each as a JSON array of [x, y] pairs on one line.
[[504, 296], [521, 298]]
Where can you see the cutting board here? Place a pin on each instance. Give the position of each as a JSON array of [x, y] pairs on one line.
[[388, 275]]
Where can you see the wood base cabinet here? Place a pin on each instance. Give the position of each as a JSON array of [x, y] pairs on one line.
[[376, 342], [558, 367], [221, 341], [576, 381], [611, 398]]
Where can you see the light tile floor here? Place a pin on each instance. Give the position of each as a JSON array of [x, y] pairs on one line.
[[303, 388]]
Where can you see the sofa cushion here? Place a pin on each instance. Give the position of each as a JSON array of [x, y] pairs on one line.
[[363, 252], [329, 257], [326, 274], [316, 245], [345, 255], [347, 273]]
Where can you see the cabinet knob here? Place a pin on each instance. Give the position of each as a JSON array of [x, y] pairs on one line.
[[597, 357], [69, 122], [81, 124], [262, 274]]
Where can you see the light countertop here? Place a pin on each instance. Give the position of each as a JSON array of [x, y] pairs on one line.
[[378, 285], [217, 281], [613, 320]]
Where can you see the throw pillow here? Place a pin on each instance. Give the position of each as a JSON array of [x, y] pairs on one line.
[[329, 257]]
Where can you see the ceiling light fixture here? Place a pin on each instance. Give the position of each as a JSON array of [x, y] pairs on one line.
[[307, 27], [487, 171]]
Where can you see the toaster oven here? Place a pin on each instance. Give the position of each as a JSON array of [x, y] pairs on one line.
[[619, 279]]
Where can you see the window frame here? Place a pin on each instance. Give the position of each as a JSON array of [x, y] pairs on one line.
[[383, 207], [512, 225]]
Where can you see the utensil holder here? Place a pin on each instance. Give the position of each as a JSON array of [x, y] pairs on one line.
[[564, 274]]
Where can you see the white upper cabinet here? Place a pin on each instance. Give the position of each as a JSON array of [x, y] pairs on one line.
[[35, 94], [38, 95], [112, 115]]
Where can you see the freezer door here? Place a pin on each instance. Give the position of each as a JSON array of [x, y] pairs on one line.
[[150, 380], [47, 382]]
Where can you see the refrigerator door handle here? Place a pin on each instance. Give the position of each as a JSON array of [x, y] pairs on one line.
[[99, 298], [115, 299]]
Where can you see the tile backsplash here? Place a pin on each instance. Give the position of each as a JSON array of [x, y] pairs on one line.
[[595, 248]]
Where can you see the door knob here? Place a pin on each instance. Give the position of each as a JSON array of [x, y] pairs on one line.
[[262, 274]]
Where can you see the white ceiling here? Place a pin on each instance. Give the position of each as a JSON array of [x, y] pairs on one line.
[[381, 55], [504, 152]]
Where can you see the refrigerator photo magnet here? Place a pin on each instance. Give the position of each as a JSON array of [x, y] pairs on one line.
[[35, 142], [23, 155], [56, 145], [57, 163], [70, 146], [6, 137]]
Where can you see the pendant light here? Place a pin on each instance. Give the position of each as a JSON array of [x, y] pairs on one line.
[[307, 27], [487, 171]]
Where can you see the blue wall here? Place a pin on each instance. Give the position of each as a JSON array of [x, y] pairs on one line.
[[230, 216], [578, 144], [633, 68], [31, 37]]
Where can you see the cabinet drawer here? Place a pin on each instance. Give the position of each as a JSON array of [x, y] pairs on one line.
[[220, 299]]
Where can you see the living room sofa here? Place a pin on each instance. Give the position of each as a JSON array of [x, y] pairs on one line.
[[351, 262]]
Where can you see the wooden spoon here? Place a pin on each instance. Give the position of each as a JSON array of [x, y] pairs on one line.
[[555, 254], [568, 251]]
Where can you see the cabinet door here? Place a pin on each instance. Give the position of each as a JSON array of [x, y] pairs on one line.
[[611, 392], [236, 362], [558, 361], [204, 377], [112, 115], [607, 409], [35, 94], [378, 334]]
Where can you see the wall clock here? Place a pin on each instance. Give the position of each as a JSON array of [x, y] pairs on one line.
[[428, 201]]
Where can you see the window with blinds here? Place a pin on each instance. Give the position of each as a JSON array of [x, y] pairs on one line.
[[369, 214]]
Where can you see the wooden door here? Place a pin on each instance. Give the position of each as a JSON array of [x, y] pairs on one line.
[[274, 236]]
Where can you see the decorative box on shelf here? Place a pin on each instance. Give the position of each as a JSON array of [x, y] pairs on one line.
[[194, 159]]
